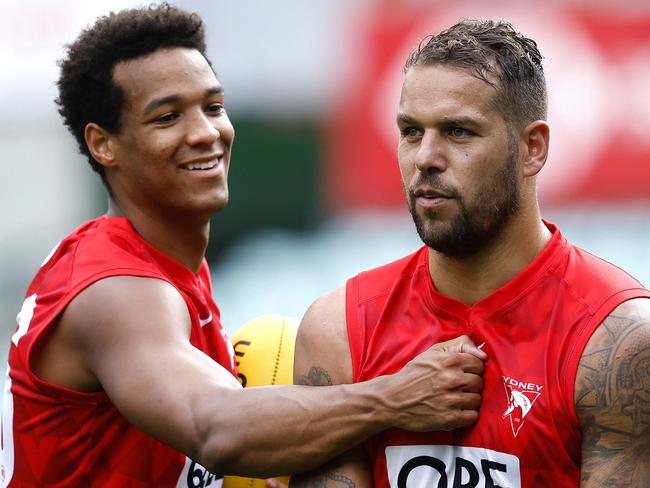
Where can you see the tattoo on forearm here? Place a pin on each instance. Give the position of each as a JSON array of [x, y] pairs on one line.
[[315, 377], [321, 479], [613, 400]]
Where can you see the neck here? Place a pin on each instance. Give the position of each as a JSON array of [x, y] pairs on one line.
[[184, 240], [470, 280]]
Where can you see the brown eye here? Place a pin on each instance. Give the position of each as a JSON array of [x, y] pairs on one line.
[[215, 108], [167, 118]]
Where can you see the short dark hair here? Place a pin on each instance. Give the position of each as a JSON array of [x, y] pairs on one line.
[[493, 49], [87, 91]]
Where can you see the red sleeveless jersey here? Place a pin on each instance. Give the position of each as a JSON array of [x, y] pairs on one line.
[[534, 329], [54, 436]]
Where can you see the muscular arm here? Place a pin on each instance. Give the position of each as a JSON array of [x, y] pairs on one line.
[[612, 398], [322, 358], [130, 337]]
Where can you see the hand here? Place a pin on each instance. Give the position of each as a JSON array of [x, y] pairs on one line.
[[461, 344], [440, 388]]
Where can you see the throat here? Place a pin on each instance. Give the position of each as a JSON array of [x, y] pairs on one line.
[[183, 240], [464, 284], [470, 280]]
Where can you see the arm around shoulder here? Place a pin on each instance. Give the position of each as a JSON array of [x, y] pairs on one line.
[[612, 398], [130, 337]]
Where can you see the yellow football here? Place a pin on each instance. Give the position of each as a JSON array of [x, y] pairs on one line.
[[264, 350]]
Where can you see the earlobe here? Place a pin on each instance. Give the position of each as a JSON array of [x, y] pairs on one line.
[[100, 144], [536, 136]]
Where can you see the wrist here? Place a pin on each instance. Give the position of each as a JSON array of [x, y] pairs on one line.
[[380, 394]]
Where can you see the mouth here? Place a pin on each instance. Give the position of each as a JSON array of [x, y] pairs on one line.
[[430, 197], [203, 164], [428, 192]]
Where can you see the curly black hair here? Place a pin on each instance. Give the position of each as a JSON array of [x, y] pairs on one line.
[[87, 91], [491, 49]]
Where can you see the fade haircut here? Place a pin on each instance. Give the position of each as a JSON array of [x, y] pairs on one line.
[[87, 91], [492, 50]]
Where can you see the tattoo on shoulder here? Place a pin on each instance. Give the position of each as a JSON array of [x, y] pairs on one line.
[[321, 479], [315, 377], [613, 400]]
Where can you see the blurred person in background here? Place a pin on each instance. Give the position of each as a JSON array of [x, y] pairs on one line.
[[565, 398], [119, 367]]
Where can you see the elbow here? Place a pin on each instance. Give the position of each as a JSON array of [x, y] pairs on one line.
[[220, 453], [230, 452]]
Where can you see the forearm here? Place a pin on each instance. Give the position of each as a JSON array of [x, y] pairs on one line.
[[268, 431]]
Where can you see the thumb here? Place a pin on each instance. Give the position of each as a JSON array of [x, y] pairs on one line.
[[470, 348]]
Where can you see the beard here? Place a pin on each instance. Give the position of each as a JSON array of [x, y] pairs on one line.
[[478, 222]]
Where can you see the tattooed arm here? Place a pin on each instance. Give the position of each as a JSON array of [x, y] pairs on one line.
[[612, 398], [449, 397], [322, 358]]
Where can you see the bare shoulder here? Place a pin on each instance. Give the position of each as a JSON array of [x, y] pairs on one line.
[[113, 305], [612, 398], [322, 352], [108, 319]]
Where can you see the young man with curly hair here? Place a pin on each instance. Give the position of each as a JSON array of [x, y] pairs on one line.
[[566, 390], [120, 373]]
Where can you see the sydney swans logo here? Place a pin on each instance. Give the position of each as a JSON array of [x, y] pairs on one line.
[[521, 397]]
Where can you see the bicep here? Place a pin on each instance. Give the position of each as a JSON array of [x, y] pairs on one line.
[[133, 334], [612, 398], [322, 355], [351, 469], [322, 358]]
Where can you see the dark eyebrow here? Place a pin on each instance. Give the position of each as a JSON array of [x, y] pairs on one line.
[[217, 90], [461, 121], [159, 102], [403, 119]]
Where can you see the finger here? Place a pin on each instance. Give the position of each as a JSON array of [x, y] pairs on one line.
[[461, 400], [461, 418], [469, 363], [473, 383], [470, 401], [463, 344], [470, 348]]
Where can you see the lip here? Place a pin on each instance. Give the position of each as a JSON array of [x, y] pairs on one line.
[[429, 197], [218, 157], [217, 171]]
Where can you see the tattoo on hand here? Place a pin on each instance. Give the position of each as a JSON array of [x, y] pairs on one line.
[[315, 377], [613, 399]]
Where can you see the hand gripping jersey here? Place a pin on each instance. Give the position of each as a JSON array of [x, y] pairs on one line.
[[53, 436], [534, 329]]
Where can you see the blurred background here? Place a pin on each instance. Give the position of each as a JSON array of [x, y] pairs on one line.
[[312, 89]]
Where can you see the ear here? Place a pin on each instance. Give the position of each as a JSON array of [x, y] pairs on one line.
[[100, 144], [535, 138]]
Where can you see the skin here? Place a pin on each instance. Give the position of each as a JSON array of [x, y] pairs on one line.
[[449, 129], [612, 398], [112, 336]]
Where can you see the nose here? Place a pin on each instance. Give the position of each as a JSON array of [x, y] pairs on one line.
[[430, 153], [202, 130]]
